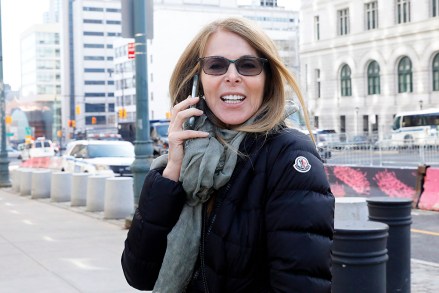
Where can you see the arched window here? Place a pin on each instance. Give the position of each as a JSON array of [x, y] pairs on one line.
[[345, 78], [373, 78], [405, 76], [436, 73]]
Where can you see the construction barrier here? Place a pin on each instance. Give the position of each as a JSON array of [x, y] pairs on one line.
[[429, 199], [372, 181]]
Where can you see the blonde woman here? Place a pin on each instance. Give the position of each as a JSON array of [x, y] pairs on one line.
[[241, 203]]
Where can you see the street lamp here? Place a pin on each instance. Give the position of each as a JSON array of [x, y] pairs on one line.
[[4, 161]]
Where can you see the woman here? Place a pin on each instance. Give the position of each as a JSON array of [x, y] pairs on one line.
[[241, 203]]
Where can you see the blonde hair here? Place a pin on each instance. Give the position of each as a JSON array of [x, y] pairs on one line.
[[271, 113]]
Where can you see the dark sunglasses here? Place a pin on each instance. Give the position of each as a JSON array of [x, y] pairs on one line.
[[217, 65]]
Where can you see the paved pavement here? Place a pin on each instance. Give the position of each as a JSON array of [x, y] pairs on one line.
[[52, 247]]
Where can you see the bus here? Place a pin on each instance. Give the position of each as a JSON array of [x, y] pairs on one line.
[[419, 128]]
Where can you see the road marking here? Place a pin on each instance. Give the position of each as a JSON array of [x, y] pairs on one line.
[[425, 232]]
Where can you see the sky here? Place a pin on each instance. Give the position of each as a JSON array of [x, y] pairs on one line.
[[18, 15]]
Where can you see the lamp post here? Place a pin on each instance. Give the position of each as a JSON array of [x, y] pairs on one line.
[[143, 144], [4, 161]]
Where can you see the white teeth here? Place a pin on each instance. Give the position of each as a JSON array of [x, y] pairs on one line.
[[233, 99]]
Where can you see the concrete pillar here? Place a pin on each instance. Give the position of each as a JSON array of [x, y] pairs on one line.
[[79, 189], [60, 186], [119, 198], [95, 193], [25, 181], [41, 183], [350, 209], [15, 178]]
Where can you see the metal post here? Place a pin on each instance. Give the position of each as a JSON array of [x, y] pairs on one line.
[[4, 161], [359, 257], [396, 213], [142, 144]]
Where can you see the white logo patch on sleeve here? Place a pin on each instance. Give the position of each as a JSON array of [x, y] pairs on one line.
[[301, 164]]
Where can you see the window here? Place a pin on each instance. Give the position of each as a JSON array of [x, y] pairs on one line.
[[343, 21], [85, 8], [373, 78], [94, 58], [112, 10], [87, 95], [92, 21], [371, 13], [405, 75], [342, 124], [94, 46], [93, 33], [113, 22], [403, 11], [317, 27], [366, 123], [435, 8], [345, 78], [94, 108], [94, 70], [318, 83], [99, 120], [94, 82], [436, 73]]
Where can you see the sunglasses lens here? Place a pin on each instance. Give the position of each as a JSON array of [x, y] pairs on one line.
[[215, 65], [249, 66]]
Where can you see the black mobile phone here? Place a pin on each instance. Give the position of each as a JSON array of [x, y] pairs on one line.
[[191, 121]]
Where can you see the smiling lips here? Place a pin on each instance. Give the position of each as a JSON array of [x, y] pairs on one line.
[[233, 99]]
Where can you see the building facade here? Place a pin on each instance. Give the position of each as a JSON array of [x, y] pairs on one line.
[[89, 29], [364, 61]]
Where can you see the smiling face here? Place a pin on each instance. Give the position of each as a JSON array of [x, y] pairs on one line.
[[232, 97]]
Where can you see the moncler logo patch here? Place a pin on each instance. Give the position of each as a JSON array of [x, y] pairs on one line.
[[302, 165]]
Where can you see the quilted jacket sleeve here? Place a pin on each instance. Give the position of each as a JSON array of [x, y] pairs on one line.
[[160, 203], [299, 217]]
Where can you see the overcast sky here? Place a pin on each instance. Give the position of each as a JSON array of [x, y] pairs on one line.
[[18, 15]]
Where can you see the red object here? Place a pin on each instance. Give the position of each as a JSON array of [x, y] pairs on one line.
[[131, 51]]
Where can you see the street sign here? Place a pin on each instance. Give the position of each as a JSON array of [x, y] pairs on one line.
[[131, 50], [9, 134], [28, 130]]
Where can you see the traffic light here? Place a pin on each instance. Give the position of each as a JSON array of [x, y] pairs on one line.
[[71, 123], [8, 119], [78, 109], [93, 120], [122, 113]]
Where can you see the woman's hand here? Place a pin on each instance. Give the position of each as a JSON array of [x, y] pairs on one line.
[[177, 135]]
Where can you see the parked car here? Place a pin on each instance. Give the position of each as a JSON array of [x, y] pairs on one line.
[[103, 157], [13, 153], [41, 147], [159, 136]]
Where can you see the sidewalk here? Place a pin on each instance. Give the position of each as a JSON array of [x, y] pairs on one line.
[[52, 247]]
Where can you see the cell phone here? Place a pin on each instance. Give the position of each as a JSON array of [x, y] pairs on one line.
[[191, 121]]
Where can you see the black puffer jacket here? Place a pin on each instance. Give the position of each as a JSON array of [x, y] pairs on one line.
[[270, 230]]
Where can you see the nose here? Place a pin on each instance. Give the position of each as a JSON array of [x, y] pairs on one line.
[[232, 74]]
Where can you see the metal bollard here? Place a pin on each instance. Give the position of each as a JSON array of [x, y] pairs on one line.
[[395, 212], [359, 257]]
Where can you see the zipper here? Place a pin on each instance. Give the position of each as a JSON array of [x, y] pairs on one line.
[[205, 221]]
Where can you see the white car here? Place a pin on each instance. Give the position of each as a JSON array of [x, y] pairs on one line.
[[38, 148], [103, 157]]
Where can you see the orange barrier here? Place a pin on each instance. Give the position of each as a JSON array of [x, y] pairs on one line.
[[53, 163], [429, 199]]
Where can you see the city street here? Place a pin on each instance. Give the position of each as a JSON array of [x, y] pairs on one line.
[[52, 247]]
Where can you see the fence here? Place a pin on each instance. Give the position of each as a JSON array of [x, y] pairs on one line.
[[365, 151]]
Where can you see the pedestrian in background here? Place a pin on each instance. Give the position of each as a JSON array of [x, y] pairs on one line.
[[241, 203]]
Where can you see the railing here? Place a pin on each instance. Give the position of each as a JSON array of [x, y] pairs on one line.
[[382, 153]]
